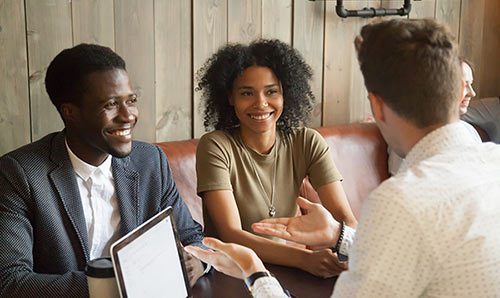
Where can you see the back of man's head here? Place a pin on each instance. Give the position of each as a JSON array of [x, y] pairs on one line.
[[413, 66], [66, 74]]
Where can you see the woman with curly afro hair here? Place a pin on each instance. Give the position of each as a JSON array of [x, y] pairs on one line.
[[257, 97]]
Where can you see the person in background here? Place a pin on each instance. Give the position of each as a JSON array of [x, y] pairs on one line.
[[252, 166], [432, 229], [394, 161], [484, 114], [468, 91], [67, 197]]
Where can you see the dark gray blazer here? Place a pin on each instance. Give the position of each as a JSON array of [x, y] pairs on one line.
[[43, 236]]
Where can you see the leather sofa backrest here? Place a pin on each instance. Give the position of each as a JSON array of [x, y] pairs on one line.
[[358, 150], [360, 154], [181, 156]]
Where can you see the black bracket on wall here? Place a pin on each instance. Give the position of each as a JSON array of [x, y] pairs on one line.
[[371, 12]]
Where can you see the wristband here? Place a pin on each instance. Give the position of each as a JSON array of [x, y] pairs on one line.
[[347, 240], [249, 281], [341, 237], [340, 247], [341, 251]]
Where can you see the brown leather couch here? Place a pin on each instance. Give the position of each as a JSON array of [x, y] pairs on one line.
[[359, 152]]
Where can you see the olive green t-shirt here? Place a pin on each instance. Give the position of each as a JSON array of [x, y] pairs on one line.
[[223, 162]]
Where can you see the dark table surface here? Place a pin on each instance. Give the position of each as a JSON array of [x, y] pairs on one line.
[[299, 283]]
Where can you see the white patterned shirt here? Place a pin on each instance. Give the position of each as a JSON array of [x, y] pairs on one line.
[[433, 230], [394, 161], [99, 202]]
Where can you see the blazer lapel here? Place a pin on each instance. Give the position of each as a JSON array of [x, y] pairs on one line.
[[64, 180], [126, 187]]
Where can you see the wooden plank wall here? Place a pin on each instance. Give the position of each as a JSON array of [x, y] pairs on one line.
[[166, 41], [489, 72], [173, 73], [48, 31], [14, 99]]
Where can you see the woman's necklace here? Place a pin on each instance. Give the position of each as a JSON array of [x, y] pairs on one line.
[[270, 205]]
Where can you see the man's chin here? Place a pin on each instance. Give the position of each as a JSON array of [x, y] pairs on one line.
[[121, 152]]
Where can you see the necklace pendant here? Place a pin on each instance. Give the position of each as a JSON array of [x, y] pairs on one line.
[[272, 211]]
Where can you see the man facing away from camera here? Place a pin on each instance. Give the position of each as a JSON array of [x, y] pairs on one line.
[[432, 229]]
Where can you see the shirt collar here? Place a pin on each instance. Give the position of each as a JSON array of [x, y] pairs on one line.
[[446, 137], [85, 170]]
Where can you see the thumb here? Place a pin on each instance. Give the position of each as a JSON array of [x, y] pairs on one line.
[[304, 203], [219, 246], [213, 243]]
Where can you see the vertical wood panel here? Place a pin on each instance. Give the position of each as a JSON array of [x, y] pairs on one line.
[[93, 22], [339, 50], [244, 20], [277, 19], [490, 64], [448, 12], [308, 30], [14, 100], [210, 32], [359, 106], [344, 91], [471, 36], [134, 29], [423, 9], [49, 32], [165, 48], [173, 70]]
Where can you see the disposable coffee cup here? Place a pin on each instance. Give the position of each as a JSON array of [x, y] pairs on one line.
[[101, 278]]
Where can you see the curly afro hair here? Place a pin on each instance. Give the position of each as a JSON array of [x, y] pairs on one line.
[[216, 77]]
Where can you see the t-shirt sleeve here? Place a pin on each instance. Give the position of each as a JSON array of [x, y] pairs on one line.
[[321, 169], [212, 163]]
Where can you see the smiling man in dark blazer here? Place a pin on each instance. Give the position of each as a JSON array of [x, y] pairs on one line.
[[66, 198]]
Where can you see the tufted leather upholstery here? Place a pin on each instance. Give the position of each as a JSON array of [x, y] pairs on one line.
[[359, 152]]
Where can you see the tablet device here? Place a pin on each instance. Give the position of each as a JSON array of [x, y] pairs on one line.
[[148, 261]]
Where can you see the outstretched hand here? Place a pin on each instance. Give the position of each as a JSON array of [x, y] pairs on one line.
[[316, 228], [229, 258]]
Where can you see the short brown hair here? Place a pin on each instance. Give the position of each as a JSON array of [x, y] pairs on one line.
[[413, 66]]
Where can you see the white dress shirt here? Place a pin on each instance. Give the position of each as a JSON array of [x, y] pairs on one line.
[[100, 204], [394, 161], [433, 229]]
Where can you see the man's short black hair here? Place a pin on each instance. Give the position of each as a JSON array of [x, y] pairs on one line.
[[66, 74]]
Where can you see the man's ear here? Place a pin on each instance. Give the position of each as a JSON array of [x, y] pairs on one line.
[[69, 112], [377, 106]]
